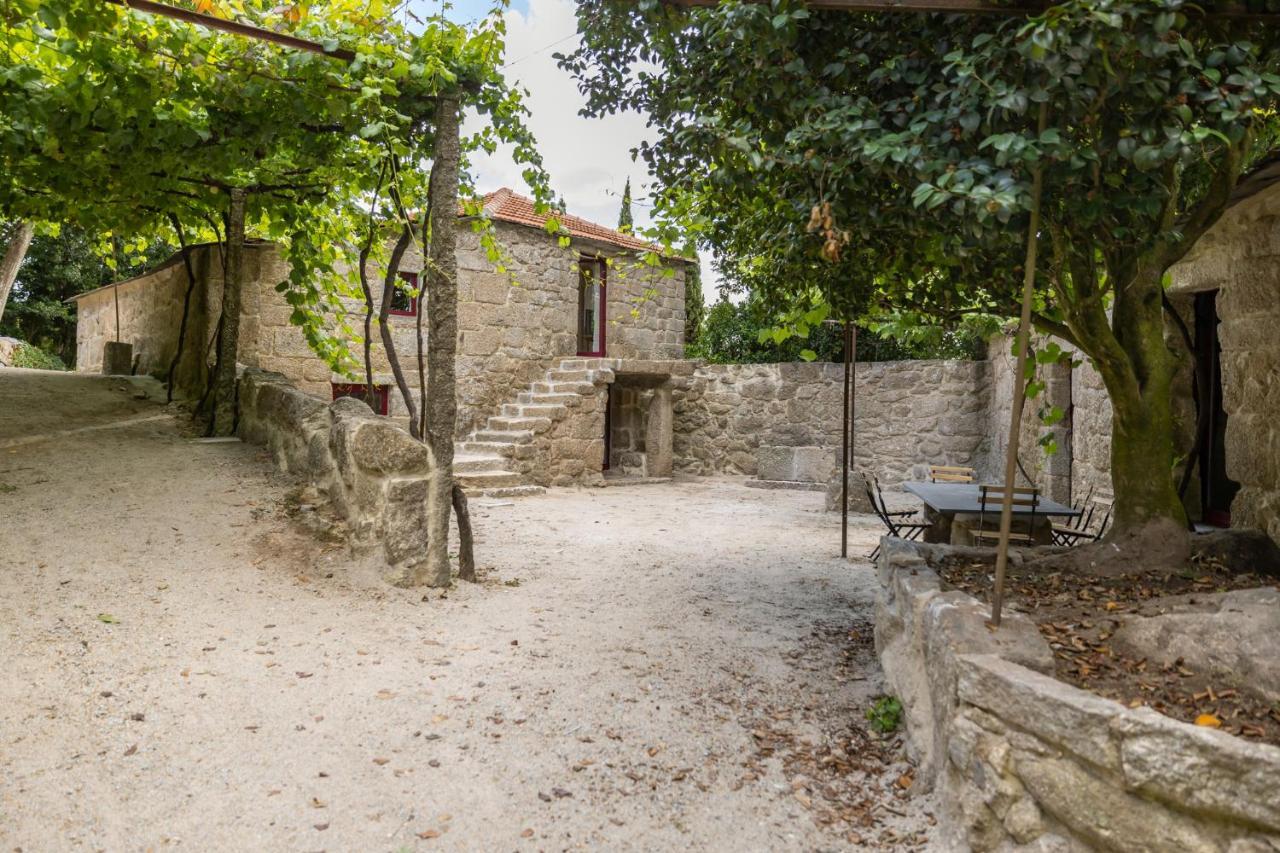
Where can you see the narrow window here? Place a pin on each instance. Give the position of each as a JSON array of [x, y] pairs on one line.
[[404, 303], [357, 390], [592, 281]]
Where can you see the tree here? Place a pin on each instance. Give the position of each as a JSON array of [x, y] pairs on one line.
[[695, 306], [625, 223], [903, 145], [17, 237]]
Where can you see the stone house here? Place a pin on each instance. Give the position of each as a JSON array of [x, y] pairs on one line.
[[562, 350]]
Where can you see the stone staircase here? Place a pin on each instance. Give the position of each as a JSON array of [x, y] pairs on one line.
[[488, 462]]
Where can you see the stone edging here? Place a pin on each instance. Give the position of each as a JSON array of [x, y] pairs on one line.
[[376, 475], [1021, 760]]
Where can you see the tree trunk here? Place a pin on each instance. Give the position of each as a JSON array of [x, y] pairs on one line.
[[441, 404], [1138, 369], [19, 240], [224, 383], [186, 304]]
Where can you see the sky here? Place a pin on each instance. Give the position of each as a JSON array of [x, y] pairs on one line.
[[589, 159]]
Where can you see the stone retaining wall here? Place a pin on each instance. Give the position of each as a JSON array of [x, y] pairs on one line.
[[908, 415], [374, 473], [1022, 761]]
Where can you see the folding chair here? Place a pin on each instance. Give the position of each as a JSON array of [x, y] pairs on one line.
[[951, 474], [1100, 506], [894, 521], [991, 499]]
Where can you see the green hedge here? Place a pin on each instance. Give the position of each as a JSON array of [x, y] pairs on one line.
[[25, 355]]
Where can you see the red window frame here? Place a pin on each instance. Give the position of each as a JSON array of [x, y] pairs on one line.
[[412, 278], [602, 265], [381, 394]]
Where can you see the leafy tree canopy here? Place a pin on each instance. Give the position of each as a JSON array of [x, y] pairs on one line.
[[112, 120], [900, 148]]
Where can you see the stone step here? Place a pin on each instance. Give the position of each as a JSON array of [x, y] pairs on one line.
[[491, 479], [563, 388], [465, 463], [546, 398], [557, 375], [515, 436], [532, 410], [518, 424], [504, 491], [504, 449]]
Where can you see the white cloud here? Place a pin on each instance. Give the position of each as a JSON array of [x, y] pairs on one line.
[[589, 159]]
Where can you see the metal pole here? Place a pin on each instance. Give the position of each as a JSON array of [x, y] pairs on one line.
[[844, 448], [1019, 383], [234, 27]]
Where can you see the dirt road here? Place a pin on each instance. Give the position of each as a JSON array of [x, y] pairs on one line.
[[680, 666]]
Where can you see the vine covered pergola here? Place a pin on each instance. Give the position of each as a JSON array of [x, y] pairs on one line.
[[311, 126]]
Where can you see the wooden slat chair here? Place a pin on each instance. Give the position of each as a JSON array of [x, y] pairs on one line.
[[951, 474], [1080, 522], [991, 500], [1100, 508], [895, 521]]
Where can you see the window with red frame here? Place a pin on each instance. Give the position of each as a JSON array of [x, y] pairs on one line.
[[404, 303], [381, 398]]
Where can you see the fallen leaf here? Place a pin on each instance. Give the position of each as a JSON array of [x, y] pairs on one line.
[[304, 674], [317, 803], [429, 833], [385, 694], [131, 750], [108, 618], [321, 826], [1209, 721], [381, 761], [528, 833]]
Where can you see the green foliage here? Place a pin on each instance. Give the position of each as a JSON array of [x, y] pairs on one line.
[[885, 715], [625, 221], [744, 333], [695, 306], [113, 120], [884, 162], [25, 355]]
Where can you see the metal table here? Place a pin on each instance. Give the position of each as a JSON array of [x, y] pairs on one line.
[[944, 501]]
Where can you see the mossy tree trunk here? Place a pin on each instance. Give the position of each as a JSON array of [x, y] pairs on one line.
[[441, 405]]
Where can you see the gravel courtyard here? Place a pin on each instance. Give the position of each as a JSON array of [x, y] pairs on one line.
[[660, 667]]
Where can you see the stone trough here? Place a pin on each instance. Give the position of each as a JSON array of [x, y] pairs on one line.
[[1023, 761]]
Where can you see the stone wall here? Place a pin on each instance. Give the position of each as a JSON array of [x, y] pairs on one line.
[[513, 324], [375, 475], [907, 415], [1022, 761], [1050, 471], [150, 317]]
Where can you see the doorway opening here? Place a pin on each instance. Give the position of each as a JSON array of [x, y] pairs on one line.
[[1217, 490]]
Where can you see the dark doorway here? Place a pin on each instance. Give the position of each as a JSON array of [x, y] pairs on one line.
[[1217, 490]]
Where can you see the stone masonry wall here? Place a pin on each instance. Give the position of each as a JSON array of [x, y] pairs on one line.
[[373, 472], [513, 325], [150, 316], [1051, 472], [1023, 762], [907, 415]]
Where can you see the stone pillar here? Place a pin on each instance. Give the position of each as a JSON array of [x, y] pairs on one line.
[[117, 359], [657, 433]]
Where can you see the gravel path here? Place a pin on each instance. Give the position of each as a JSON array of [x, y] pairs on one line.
[[679, 666]]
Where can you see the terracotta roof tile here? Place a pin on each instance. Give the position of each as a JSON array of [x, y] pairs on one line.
[[508, 206]]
